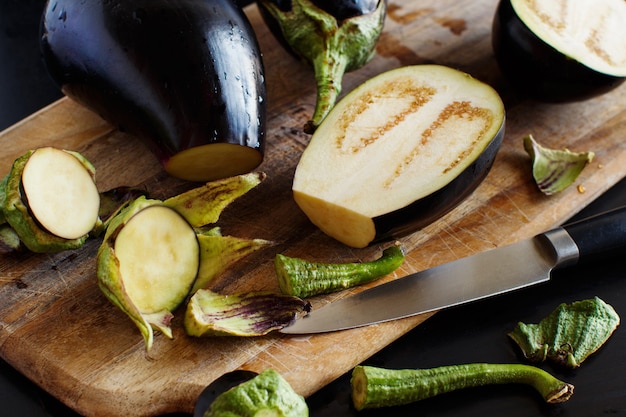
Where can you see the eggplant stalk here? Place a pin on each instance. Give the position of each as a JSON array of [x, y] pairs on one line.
[[302, 278], [377, 387], [332, 47]]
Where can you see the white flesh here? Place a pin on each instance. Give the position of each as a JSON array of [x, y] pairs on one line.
[[61, 193], [159, 257], [397, 138], [593, 32]]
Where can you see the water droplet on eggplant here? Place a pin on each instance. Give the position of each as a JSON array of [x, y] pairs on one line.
[[139, 15]]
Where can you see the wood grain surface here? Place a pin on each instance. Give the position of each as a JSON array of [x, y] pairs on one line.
[[61, 332]]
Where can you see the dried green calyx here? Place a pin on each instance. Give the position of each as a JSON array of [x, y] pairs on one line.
[[155, 254], [570, 334], [267, 394], [248, 314], [554, 170]]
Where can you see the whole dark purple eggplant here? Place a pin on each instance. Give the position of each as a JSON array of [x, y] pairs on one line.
[[333, 36], [186, 76]]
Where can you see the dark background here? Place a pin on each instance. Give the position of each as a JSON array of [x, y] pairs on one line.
[[472, 333]]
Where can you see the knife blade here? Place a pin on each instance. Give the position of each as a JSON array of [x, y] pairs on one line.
[[486, 274]]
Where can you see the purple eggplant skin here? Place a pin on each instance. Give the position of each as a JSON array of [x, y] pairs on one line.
[[538, 70], [183, 75]]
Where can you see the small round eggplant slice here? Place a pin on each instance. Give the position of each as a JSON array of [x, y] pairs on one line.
[[159, 257], [561, 50], [398, 152], [61, 193]]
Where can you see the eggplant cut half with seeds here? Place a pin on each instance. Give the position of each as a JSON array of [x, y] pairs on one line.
[[561, 50], [398, 152]]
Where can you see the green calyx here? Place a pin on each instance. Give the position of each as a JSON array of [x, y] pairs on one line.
[[267, 394], [156, 254], [112, 283], [554, 169], [331, 47], [244, 314], [568, 335]]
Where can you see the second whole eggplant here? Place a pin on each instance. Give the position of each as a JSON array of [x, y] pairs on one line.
[[186, 76], [333, 36]]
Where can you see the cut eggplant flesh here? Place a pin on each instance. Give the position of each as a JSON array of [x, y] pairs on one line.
[[406, 136], [213, 161], [61, 193], [159, 257], [592, 32]]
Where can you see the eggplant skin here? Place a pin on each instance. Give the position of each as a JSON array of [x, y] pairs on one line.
[[177, 73], [538, 70], [426, 210]]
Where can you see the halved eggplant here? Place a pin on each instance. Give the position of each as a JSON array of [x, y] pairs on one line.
[[561, 50], [186, 76], [398, 152]]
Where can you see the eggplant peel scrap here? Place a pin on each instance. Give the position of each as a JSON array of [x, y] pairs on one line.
[[554, 170], [568, 335]]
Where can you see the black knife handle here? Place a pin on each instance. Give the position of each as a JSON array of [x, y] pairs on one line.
[[600, 236]]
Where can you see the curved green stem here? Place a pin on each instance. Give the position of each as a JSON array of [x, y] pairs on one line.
[[329, 70], [377, 387], [302, 278], [331, 47]]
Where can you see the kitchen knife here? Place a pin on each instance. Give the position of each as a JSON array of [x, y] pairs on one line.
[[475, 277]]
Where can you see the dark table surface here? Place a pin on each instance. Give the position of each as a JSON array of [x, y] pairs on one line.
[[471, 333]]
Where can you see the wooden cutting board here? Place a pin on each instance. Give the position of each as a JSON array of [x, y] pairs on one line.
[[59, 330]]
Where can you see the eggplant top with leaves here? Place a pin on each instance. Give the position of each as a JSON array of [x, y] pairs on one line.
[[334, 37]]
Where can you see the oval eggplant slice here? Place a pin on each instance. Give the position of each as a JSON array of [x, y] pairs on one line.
[[561, 50], [159, 257], [50, 191], [398, 152], [61, 193], [186, 76]]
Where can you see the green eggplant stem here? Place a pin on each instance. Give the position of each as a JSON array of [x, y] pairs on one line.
[[374, 387], [329, 69], [301, 278], [331, 47]]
